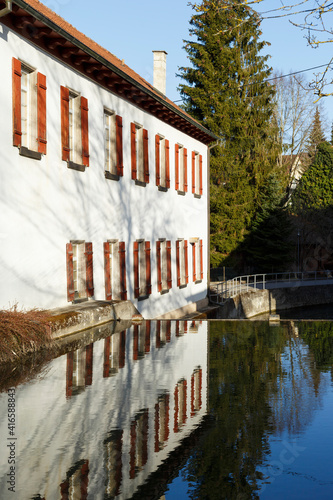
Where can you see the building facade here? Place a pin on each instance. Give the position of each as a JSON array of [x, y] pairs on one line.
[[104, 181]]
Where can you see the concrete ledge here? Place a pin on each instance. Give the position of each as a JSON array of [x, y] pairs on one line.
[[77, 317], [254, 302], [189, 309]]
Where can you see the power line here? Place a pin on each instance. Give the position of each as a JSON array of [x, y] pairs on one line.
[[288, 74]]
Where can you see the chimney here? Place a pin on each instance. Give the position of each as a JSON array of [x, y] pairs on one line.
[[160, 70]]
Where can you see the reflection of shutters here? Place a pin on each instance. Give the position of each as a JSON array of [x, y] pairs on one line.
[[193, 172], [70, 274], [64, 92], [177, 166], [145, 156], [194, 262], [89, 270], [84, 131], [178, 261], [133, 151], [135, 342], [148, 269], [41, 113], [89, 364], [157, 160], [168, 256], [119, 145], [107, 350], [108, 288], [136, 270], [200, 175], [122, 348], [69, 374], [122, 265], [167, 163], [186, 260], [147, 337], [17, 128], [185, 170], [201, 259], [159, 266]]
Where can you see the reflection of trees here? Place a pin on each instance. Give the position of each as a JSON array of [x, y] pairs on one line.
[[243, 370], [261, 380]]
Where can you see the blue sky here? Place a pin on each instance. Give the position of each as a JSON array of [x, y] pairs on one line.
[[132, 29]]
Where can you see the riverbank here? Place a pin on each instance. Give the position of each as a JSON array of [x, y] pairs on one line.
[[254, 302]]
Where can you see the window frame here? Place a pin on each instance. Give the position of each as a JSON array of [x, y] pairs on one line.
[[182, 262], [197, 259], [84, 271], [142, 269], [163, 259], [115, 275], [197, 187], [113, 145], [139, 154], [162, 162], [181, 185]]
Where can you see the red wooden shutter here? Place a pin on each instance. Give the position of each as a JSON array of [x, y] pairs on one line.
[[168, 255], [185, 170], [177, 167], [41, 113], [89, 269], [194, 262], [145, 156], [178, 261], [119, 145], [186, 260], [167, 163], [148, 268], [70, 274], [159, 266], [136, 270], [108, 288], [17, 128], [84, 131], [193, 172], [122, 265], [201, 259], [133, 151], [106, 364], [64, 92], [157, 160], [200, 175]]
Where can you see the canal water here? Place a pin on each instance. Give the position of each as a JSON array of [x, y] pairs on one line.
[[173, 410]]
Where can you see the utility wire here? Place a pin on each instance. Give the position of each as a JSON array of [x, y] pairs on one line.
[[288, 74]]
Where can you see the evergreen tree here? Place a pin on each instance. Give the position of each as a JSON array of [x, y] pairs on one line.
[[226, 91], [315, 189]]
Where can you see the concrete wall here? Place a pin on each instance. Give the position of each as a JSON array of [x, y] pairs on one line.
[[252, 303], [44, 204]]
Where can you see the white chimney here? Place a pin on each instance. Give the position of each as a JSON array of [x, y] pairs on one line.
[[160, 70]]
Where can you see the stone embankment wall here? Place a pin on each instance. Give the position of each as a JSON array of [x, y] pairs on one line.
[[255, 302]]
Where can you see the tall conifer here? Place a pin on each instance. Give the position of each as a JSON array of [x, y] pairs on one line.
[[225, 90]]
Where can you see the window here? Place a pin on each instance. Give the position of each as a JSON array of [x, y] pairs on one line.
[[141, 340], [76, 483], [142, 269], [181, 169], [139, 154], [113, 134], [29, 110], [196, 391], [113, 445], [74, 129], [80, 284], [182, 262], [163, 252], [162, 409], [162, 163], [196, 174], [139, 442], [79, 371], [115, 270], [197, 259], [114, 353]]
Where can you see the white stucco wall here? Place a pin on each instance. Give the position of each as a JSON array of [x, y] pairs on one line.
[[44, 204]]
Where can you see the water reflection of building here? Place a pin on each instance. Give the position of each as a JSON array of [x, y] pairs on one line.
[[130, 398]]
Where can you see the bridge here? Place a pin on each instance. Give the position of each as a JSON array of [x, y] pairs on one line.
[[220, 291]]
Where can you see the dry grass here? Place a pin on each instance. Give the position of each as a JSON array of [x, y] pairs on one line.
[[23, 332]]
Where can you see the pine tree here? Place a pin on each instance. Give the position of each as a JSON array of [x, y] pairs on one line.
[[226, 91], [316, 136]]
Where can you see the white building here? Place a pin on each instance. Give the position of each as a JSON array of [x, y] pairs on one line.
[[104, 181]]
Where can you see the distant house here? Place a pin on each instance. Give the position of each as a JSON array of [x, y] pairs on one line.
[[104, 180]]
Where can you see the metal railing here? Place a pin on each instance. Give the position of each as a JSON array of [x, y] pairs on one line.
[[223, 290]]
